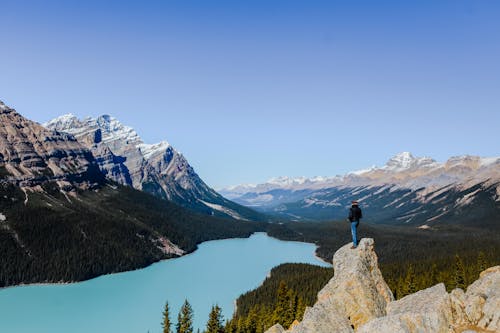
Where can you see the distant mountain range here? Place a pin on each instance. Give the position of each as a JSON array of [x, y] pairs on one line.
[[158, 168], [406, 190]]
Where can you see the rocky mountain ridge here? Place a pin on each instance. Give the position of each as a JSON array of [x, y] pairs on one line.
[[155, 168], [357, 299], [408, 189], [31, 155], [403, 170]]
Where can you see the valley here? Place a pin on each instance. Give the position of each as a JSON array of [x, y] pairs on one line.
[[84, 198]]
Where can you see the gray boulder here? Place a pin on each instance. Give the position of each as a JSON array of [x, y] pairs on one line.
[[428, 310], [482, 300]]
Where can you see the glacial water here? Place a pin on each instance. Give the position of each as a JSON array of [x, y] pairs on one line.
[[132, 302]]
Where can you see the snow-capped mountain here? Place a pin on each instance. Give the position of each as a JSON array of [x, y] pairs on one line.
[[404, 189], [62, 220], [155, 168]]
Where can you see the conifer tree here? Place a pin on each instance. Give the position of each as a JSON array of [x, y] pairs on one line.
[[214, 324], [231, 326], [166, 324], [241, 325], [410, 284], [433, 275], [185, 319], [292, 308], [281, 312], [250, 325], [459, 273], [481, 262], [301, 308]]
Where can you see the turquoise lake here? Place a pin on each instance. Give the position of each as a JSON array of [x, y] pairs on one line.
[[132, 302]]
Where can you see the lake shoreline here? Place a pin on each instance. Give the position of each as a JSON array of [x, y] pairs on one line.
[[21, 285], [218, 273]]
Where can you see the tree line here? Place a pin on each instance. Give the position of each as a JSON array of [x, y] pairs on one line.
[[53, 239]]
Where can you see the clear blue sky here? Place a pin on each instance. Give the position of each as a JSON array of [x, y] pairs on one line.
[[248, 90]]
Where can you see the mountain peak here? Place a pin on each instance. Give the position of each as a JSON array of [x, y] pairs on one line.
[[5, 109], [149, 150], [406, 160], [402, 160], [29, 150], [65, 121]]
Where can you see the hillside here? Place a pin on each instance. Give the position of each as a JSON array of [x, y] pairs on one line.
[[111, 229], [62, 220]]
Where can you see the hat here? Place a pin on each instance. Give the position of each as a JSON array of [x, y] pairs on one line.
[[354, 202]]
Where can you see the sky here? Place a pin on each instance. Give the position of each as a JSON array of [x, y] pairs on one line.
[[249, 90]]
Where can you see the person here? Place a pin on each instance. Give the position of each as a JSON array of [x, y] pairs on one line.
[[355, 214]]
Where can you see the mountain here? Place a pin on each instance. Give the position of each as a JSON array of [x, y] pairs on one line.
[[407, 190], [158, 168], [62, 220]]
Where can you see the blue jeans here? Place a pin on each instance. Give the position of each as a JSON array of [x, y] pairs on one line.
[[354, 232]]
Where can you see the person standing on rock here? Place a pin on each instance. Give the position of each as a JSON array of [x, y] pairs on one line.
[[355, 215]]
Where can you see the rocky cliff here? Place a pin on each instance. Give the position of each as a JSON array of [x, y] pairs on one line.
[[357, 299], [30, 155], [155, 168]]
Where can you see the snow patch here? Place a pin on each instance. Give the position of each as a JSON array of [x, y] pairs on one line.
[[3, 218], [26, 199], [437, 216], [223, 209], [486, 161], [362, 171], [466, 199], [149, 150], [62, 121]]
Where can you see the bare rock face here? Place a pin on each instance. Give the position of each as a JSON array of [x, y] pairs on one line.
[[31, 154], [322, 318], [457, 300], [482, 300], [428, 310], [357, 299], [155, 168], [355, 295]]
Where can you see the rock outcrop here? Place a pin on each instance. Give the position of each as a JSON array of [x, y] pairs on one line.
[[481, 302], [357, 299], [355, 295], [428, 310]]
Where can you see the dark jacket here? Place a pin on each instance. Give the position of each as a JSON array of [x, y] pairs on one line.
[[355, 214]]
